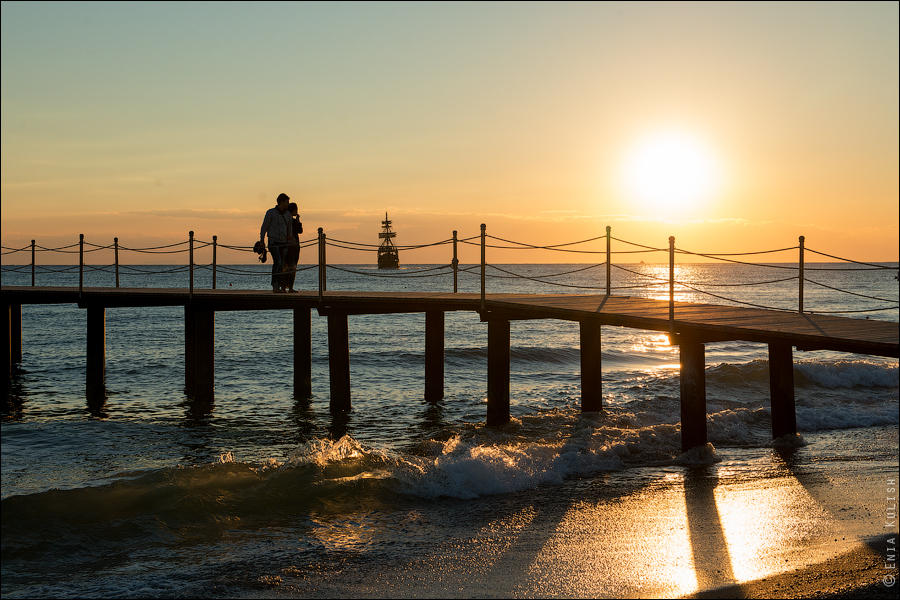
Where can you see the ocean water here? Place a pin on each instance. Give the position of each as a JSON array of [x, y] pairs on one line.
[[264, 493]]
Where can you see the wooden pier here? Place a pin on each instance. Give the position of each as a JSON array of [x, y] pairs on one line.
[[689, 325]]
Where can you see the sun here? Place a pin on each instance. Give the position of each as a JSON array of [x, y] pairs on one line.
[[670, 174]]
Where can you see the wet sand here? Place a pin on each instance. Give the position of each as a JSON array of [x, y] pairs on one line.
[[857, 574], [765, 525]]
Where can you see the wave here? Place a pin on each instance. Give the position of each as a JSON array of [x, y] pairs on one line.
[[829, 374]]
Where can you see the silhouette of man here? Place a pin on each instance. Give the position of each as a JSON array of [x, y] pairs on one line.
[[277, 225]]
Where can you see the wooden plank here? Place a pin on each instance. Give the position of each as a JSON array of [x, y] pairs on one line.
[[710, 321]]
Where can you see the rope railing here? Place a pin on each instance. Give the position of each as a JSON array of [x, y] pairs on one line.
[[392, 275], [876, 266], [487, 271], [368, 247], [836, 289]]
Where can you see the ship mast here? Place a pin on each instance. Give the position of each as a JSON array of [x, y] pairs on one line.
[[386, 233], [388, 256]]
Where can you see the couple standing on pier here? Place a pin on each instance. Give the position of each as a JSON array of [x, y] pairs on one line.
[[283, 226]]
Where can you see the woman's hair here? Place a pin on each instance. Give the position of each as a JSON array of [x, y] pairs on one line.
[[292, 206]]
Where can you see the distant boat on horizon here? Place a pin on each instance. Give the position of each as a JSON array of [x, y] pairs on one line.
[[388, 256]]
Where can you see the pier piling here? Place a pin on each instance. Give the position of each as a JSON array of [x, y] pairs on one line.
[[693, 394], [498, 372], [302, 353], [199, 360], [591, 372], [15, 334], [434, 356], [339, 362], [7, 322], [95, 375], [781, 388]]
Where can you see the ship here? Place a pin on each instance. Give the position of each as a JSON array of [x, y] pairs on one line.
[[388, 257]]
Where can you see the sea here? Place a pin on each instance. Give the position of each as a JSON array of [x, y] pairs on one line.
[[265, 494]]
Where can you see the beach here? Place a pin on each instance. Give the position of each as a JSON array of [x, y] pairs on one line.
[[698, 531], [262, 494]]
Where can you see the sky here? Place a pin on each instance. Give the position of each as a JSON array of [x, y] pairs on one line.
[[733, 126]]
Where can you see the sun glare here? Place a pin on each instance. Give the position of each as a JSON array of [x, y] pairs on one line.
[[670, 174]]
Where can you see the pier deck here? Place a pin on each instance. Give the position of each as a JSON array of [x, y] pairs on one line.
[[702, 322], [690, 325]]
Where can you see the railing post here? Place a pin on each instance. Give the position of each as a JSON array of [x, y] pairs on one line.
[[215, 241], [608, 253], [191, 267], [483, 227], [116, 246], [671, 280], [455, 264], [80, 264], [322, 282], [801, 276], [32, 263]]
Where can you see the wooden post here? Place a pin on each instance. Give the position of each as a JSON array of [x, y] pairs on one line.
[[781, 388], [80, 264], [591, 372], [215, 243], [302, 353], [693, 394], [322, 282], [339, 362], [801, 276], [200, 353], [455, 264], [608, 259], [434, 355], [116, 246], [96, 353], [498, 372], [204, 365], [6, 350], [191, 267], [482, 305], [671, 283], [32, 263], [15, 333], [189, 354]]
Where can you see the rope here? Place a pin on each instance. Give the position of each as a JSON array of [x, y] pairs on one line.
[[155, 247], [56, 249], [845, 269], [746, 284], [14, 250], [535, 247], [364, 245], [566, 272], [639, 245], [690, 287], [711, 254], [633, 251], [154, 271], [739, 262], [849, 260], [548, 247], [826, 312], [15, 269], [666, 279], [397, 276], [517, 275], [142, 251], [849, 292], [60, 250], [46, 269]]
